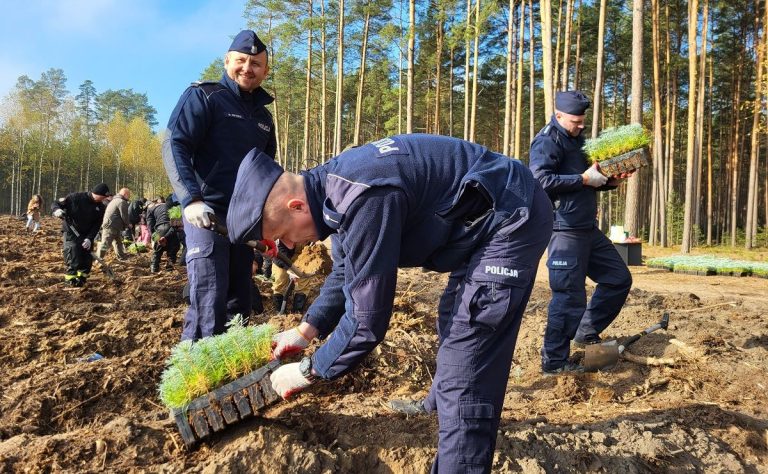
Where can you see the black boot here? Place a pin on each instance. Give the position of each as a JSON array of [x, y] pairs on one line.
[[299, 302], [277, 301]]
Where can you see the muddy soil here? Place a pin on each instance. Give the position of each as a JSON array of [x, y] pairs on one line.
[[705, 410]]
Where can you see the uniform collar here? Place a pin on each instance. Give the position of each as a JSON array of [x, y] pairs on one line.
[[259, 96], [314, 181]]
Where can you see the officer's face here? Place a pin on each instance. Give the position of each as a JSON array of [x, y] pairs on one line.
[[246, 70], [291, 224], [573, 124]]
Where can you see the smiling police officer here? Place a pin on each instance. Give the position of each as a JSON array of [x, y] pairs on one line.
[[212, 128], [578, 249], [409, 201]]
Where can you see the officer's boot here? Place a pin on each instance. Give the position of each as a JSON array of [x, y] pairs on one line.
[[277, 301], [154, 264]]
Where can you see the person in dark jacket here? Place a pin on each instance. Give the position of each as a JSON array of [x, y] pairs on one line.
[[81, 214], [578, 249], [440, 203], [211, 129], [167, 240]]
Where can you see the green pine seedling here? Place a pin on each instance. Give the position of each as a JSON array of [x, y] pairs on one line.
[[194, 369], [616, 141]]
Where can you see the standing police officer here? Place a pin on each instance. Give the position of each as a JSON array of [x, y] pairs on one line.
[[578, 249], [409, 201], [82, 214], [211, 129]]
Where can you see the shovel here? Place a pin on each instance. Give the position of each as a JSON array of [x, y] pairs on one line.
[[606, 354]]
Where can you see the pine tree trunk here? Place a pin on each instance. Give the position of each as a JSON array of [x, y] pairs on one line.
[[597, 98], [324, 90], [567, 45], [693, 12], [475, 73], [546, 41], [710, 187], [508, 85], [411, 50], [751, 221], [556, 75], [467, 29], [531, 77], [700, 123], [735, 158], [361, 80], [338, 120], [438, 70], [519, 94], [659, 195], [632, 217], [308, 92]]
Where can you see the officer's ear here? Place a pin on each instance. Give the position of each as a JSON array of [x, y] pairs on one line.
[[297, 205]]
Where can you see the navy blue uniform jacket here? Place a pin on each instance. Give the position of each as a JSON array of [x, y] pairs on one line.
[[557, 161], [404, 201], [213, 126]]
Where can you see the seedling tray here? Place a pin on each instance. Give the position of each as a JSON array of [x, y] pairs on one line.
[[625, 163], [227, 405]]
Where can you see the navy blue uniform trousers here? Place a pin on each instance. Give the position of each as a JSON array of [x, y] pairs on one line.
[[479, 318], [574, 255], [219, 282]]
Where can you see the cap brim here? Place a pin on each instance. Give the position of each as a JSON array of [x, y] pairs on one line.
[[256, 177]]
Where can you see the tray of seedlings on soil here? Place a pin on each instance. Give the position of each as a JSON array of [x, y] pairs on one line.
[[619, 149], [219, 380], [709, 265]]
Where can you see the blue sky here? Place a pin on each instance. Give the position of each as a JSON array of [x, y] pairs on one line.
[[154, 47]]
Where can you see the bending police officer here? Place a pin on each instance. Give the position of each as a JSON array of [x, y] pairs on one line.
[[409, 201]]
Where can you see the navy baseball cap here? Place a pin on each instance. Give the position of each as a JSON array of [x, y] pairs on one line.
[[256, 177], [247, 42], [571, 102]]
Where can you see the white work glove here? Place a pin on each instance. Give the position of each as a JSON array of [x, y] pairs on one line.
[[288, 380], [593, 177], [87, 244], [288, 343], [59, 213], [196, 213]]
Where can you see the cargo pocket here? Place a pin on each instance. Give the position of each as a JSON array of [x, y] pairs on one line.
[[477, 420], [202, 272], [495, 291], [561, 269]]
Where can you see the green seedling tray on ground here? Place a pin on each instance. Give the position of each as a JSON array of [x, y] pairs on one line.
[[625, 163], [226, 405]]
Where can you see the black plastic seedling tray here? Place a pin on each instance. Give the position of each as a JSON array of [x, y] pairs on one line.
[[227, 405]]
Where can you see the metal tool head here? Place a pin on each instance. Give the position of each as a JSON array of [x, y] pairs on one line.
[[601, 356]]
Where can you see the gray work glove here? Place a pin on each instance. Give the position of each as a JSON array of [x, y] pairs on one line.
[[593, 177], [59, 213], [87, 244]]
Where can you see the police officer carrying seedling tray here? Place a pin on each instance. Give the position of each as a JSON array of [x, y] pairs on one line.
[[211, 129], [409, 201], [578, 249]]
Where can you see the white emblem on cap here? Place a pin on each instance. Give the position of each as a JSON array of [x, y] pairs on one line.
[[254, 49]]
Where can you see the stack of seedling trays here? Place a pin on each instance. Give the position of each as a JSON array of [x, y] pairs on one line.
[[219, 381], [620, 149], [709, 265]]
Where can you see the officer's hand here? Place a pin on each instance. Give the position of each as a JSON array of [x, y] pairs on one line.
[[593, 177], [86, 244], [616, 179], [162, 241], [196, 213], [288, 343], [60, 213], [288, 380]]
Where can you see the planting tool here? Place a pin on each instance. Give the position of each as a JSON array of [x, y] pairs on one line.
[[606, 354], [102, 264], [221, 229], [286, 295], [227, 405]]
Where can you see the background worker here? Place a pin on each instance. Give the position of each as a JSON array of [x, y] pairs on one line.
[[116, 220], [211, 129], [412, 201], [81, 214], [578, 249], [33, 213], [167, 241]]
